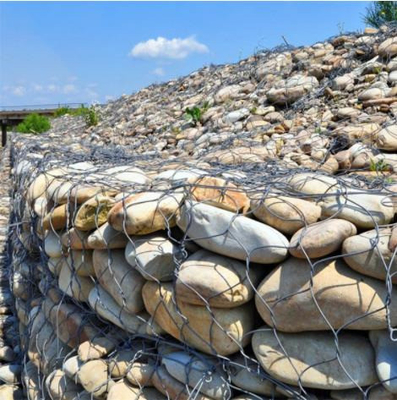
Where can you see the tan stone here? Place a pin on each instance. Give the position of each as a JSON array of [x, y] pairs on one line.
[[388, 48], [140, 374], [60, 387], [53, 245], [310, 358], [287, 214], [76, 286], [369, 254], [30, 377], [206, 278], [223, 331], [93, 376], [97, 348], [122, 390], [119, 279], [76, 240], [145, 213], [105, 237], [220, 193], [121, 362], [346, 298], [81, 193], [58, 218], [321, 239], [387, 138], [93, 213], [81, 262]]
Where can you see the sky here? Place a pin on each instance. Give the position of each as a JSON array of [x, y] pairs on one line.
[[84, 52]]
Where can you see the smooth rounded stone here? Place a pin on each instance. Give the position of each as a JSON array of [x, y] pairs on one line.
[[226, 335], [369, 254], [93, 213], [55, 265], [119, 279], [11, 392], [286, 214], [371, 94], [206, 278], [145, 213], [105, 237], [346, 298], [78, 287], [220, 193], [7, 354], [122, 390], [121, 362], [310, 358], [80, 193], [388, 48], [376, 393], [96, 348], [321, 238], [10, 373], [58, 218], [71, 367], [52, 244], [313, 184], [81, 262], [30, 377], [93, 376], [153, 256], [75, 239], [365, 210], [199, 373], [140, 374], [172, 388], [60, 387], [387, 138], [175, 175], [386, 358], [247, 375], [234, 236], [125, 174], [106, 307]]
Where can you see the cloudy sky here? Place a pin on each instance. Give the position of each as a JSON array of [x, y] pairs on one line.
[[93, 52]]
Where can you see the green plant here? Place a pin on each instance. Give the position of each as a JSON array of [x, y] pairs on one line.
[[378, 166], [62, 111], [91, 116], [34, 123], [380, 13], [195, 114]]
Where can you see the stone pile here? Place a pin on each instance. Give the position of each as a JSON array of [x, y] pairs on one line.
[[247, 255]]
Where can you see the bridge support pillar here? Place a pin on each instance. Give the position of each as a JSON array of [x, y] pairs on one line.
[[3, 133]]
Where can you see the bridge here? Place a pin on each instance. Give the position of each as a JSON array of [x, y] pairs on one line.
[[13, 115]]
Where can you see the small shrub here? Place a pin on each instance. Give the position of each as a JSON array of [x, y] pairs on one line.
[[91, 117], [380, 13], [378, 166], [34, 123], [195, 114], [62, 111]]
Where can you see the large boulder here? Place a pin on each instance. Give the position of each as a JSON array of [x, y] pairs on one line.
[[315, 360], [295, 298], [206, 278], [221, 331], [228, 234]]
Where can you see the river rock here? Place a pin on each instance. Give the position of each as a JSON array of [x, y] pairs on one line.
[[93, 376], [119, 279], [75, 239], [234, 236], [198, 372], [140, 374], [96, 348], [387, 138], [10, 373], [71, 367], [310, 358], [375, 393], [313, 184], [226, 336], [386, 358], [81, 262], [105, 306], [346, 298], [122, 390], [287, 214], [60, 387], [207, 278], [220, 193], [321, 239], [76, 286], [145, 213], [53, 245], [388, 48], [369, 254], [93, 213], [247, 375], [59, 218], [172, 388], [153, 256], [80, 193], [11, 392], [121, 362], [105, 237]]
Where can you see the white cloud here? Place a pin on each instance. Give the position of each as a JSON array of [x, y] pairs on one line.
[[69, 88], [37, 87], [158, 71], [176, 48], [18, 91], [53, 88]]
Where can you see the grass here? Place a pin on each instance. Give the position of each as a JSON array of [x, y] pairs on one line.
[[89, 113]]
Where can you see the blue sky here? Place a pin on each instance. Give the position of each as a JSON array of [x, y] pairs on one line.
[[53, 52]]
